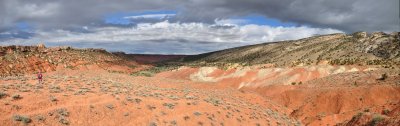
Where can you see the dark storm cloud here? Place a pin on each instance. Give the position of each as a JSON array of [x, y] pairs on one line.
[[50, 14], [346, 15]]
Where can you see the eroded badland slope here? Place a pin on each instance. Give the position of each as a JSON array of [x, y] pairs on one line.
[[333, 79]]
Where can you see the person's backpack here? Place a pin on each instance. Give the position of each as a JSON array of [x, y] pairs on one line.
[[40, 75]]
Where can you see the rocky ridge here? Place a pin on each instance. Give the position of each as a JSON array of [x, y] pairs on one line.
[[19, 60], [359, 48]]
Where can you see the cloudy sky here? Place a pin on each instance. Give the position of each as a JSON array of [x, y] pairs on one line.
[[186, 26]]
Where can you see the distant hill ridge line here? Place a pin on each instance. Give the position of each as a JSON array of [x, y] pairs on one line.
[[338, 49], [43, 48]]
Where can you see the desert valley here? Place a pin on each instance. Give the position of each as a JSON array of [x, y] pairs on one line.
[[334, 79]]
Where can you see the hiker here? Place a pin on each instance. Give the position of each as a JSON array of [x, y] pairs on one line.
[[40, 77]]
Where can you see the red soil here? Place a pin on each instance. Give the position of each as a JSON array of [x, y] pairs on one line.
[[97, 97], [95, 88], [323, 98]]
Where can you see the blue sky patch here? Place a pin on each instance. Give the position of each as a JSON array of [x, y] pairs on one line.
[[23, 26], [120, 17], [127, 18]]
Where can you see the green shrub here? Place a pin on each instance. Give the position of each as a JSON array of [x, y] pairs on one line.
[[376, 119], [196, 113], [62, 112], [151, 107], [137, 100], [385, 112], [169, 105], [154, 70], [173, 97], [16, 96], [53, 98], [22, 118], [186, 117], [63, 120], [62, 115], [110, 106], [143, 73], [40, 118], [152, 124], [214, 101], [357, 116], [2, 95], [173, 122]]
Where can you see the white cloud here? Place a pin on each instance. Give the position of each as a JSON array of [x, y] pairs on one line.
[[151, 16], [186, 34], [347, 15], [34, 10], [230, 21]]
